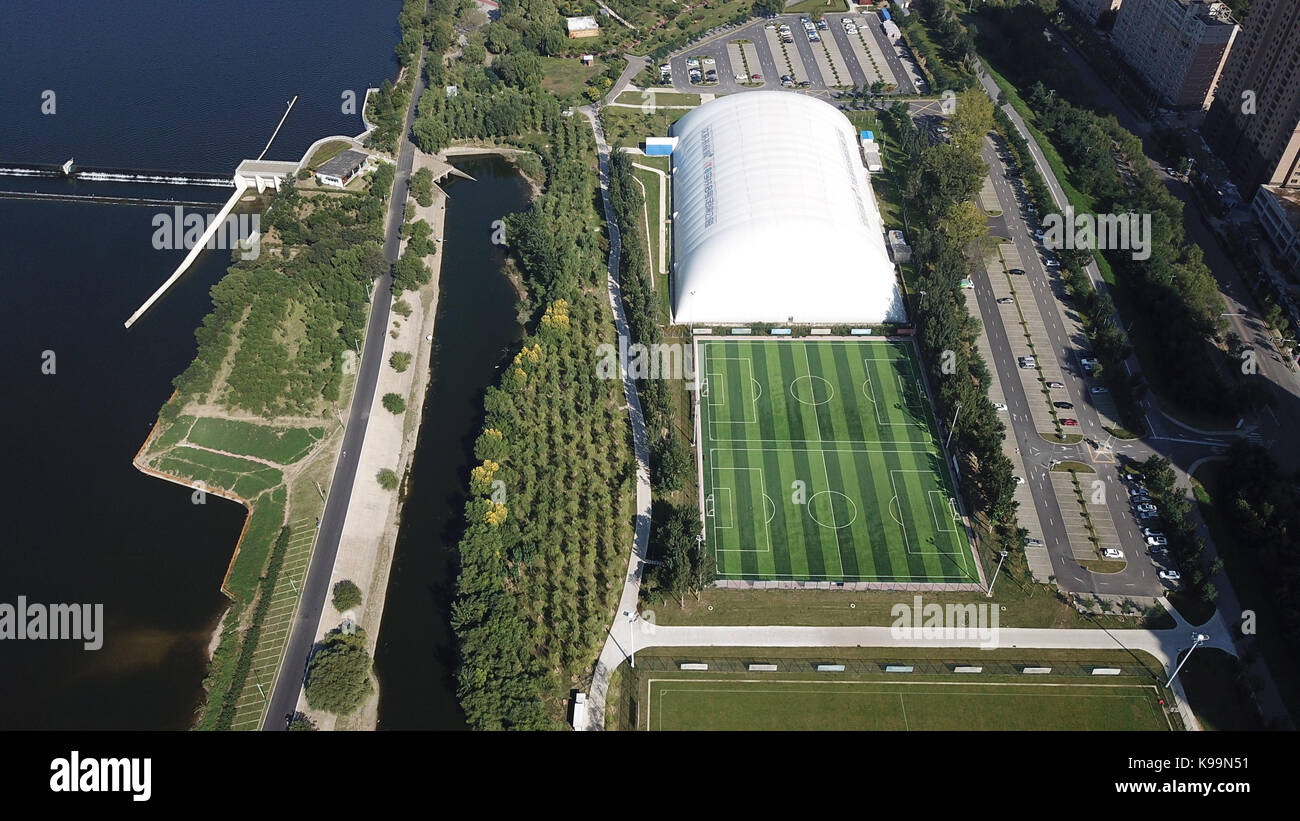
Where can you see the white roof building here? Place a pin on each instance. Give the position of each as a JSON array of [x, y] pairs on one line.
[[774, 218]]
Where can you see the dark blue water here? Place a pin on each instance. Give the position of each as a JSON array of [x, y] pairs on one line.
[[138, 84], [476, 331]]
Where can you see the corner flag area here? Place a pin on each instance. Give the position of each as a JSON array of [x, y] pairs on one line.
[[820, 461]]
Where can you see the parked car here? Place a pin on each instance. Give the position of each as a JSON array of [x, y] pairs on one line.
[[1056, 385], [1151, 531], [1006, 300], [1170, 575], [1052, 263], [1016, 272], [756, 77], [1020, 480], [998, 406], [1088, 362], [1064, 405], [1033, 542], [1147, 507], [1137, 490], [1070, 423], [1112, 553], [1157, 541], [1148, 514], [1098, 389]]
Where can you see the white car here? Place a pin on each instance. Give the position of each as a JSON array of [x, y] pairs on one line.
[[1020, 480], [1170, 575], [998, 406], [1157, 541], [1151, 531], [1147, 507], [1112, 553]]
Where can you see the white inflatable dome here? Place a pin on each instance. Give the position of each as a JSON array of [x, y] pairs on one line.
[[774, 219]]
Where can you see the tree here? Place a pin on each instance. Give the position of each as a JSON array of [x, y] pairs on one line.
[[387, 479], [669, 463], [394, 403], [338, 679], [764, 8], [422, 187], [300, 722], [346, 595], [400, 360], [520, 70]]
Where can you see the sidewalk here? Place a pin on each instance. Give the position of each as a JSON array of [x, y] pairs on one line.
[[373, 514]]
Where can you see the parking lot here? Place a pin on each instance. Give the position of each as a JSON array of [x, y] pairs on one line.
[[789, 51]]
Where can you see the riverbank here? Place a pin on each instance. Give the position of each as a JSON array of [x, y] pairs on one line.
[[369, 535]]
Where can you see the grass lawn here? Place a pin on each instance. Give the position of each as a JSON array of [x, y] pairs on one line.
[[629, 127], [283, 445], [255, 544], [824, 6], [327, 152], [821, 462], [567, 76], [660, 98], [245, 478], [699, 20], [739, 703]]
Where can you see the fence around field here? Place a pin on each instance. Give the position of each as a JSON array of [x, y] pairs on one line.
[[900, 667]]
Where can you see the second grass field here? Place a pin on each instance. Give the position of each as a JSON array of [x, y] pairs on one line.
[[820, 462]]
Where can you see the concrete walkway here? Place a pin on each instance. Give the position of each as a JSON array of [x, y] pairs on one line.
[[612, 654]]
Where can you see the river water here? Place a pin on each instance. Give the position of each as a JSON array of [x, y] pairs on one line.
[[188, 87], [476, 328]]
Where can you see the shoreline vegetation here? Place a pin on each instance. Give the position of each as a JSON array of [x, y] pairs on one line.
[[257, 416]]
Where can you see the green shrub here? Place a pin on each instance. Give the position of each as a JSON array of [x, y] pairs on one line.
[[394, 403], [346, 595], [401, 360], [387, 479]]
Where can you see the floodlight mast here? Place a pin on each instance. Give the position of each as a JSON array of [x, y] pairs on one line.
[[1197, 640]]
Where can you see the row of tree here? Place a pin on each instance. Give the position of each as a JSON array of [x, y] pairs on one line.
[[549, 519], [938, 182]]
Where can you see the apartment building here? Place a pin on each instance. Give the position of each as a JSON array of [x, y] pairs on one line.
[[1092, 9], [1177, 47]]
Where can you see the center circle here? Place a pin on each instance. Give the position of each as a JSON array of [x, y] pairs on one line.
[[811, 390], [830, 508]]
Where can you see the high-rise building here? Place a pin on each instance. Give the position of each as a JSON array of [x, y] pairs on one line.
[[1092, 9], [1177, 47], [1254, 123]]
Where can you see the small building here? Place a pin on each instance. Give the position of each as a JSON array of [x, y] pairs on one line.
[[660, 146], [582, 26], [339, 171], [451, 91], [588, 59], [872, 157]]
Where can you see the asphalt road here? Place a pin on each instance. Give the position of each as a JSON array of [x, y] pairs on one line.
[[315, 586]]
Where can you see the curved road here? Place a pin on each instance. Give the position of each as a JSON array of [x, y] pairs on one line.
[[315, 587]]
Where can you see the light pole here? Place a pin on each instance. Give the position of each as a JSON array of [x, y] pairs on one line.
[[953, 427], [1197, 640], [1002, 557], [631, 638]]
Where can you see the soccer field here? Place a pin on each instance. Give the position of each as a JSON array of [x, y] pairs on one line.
[[748, 704], [820, 462]]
